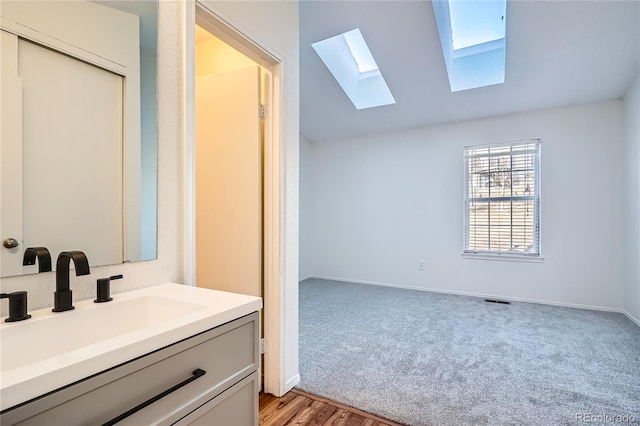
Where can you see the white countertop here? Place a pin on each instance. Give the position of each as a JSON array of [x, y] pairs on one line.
[[24, 377]]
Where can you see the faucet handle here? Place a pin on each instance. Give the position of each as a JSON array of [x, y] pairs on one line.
[[17, 305], [104, 290]]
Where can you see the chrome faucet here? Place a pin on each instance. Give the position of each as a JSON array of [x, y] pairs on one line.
[[62, 298], [44, 258]]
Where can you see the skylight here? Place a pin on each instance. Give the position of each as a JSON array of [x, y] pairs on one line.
[[476, 22], [360, 51], [349, 59], [473, 40]]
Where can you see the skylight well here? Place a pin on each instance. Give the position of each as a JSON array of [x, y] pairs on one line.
[[473, 39], [351, 63]]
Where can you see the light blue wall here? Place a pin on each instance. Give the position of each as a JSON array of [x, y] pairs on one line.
[[632, 208]]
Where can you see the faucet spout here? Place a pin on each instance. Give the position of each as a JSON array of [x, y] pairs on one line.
[[44, 258], [63, 296]]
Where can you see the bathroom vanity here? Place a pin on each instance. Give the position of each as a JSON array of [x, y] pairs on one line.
[[169, 354]]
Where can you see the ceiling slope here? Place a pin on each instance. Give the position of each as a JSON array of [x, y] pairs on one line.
[[559, 53]]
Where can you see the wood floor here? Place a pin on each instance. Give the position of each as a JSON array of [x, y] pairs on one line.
[[300, 408]]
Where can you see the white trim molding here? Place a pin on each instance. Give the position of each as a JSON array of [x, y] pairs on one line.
[[206, 13], [291, 383], [189, 152], [631, 317], [503, 257]]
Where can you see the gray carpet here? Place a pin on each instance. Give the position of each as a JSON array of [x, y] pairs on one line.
[[423, 358]]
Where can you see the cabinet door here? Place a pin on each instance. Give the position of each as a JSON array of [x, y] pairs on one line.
[[227, 354], [237, 406]]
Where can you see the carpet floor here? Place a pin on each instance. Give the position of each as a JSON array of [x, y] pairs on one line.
[[423, 358]]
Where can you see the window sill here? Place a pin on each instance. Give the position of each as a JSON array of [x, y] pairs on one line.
[[503, 257]]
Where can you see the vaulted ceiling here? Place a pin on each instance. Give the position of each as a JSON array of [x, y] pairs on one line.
[[559, 53]]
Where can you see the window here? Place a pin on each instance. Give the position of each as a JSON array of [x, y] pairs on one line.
[[502, 199], [350, 61], [473, 38]]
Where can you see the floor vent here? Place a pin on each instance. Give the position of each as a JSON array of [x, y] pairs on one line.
[[502, 302]]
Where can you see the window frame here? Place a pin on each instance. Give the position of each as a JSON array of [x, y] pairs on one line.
[[536, 254]]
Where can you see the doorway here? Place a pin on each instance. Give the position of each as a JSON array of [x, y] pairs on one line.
[[229, 168], [270, 66]]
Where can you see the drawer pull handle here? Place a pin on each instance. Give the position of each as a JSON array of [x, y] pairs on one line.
[[196, 375]]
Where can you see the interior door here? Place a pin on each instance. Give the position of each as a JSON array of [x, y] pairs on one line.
[[82, 120], [71, 112], [10, 156], [229, 182]]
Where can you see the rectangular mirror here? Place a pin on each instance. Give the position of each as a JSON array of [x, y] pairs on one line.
[[78, 145]]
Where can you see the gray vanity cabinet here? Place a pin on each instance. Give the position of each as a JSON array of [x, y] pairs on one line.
[[226, 394]]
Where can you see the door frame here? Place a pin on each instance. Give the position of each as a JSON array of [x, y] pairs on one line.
[[219, 26]]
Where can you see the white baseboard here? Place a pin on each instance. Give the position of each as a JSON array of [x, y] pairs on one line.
[[491, 296], [291, 383], [631, 317]]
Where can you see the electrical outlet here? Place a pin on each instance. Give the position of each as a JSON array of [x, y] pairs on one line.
[[420, 265]]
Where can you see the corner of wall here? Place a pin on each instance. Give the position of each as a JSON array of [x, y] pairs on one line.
[[306, 210], [632, 209]]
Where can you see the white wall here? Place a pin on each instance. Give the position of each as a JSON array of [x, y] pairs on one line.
[[274, 26], [168, 266], [306, 210], [383, 202], [632, 206]]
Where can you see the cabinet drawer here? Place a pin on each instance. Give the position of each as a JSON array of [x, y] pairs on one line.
[[237, 406], [227, 354]]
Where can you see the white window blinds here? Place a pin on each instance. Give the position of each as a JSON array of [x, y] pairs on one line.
[[502, 198]]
